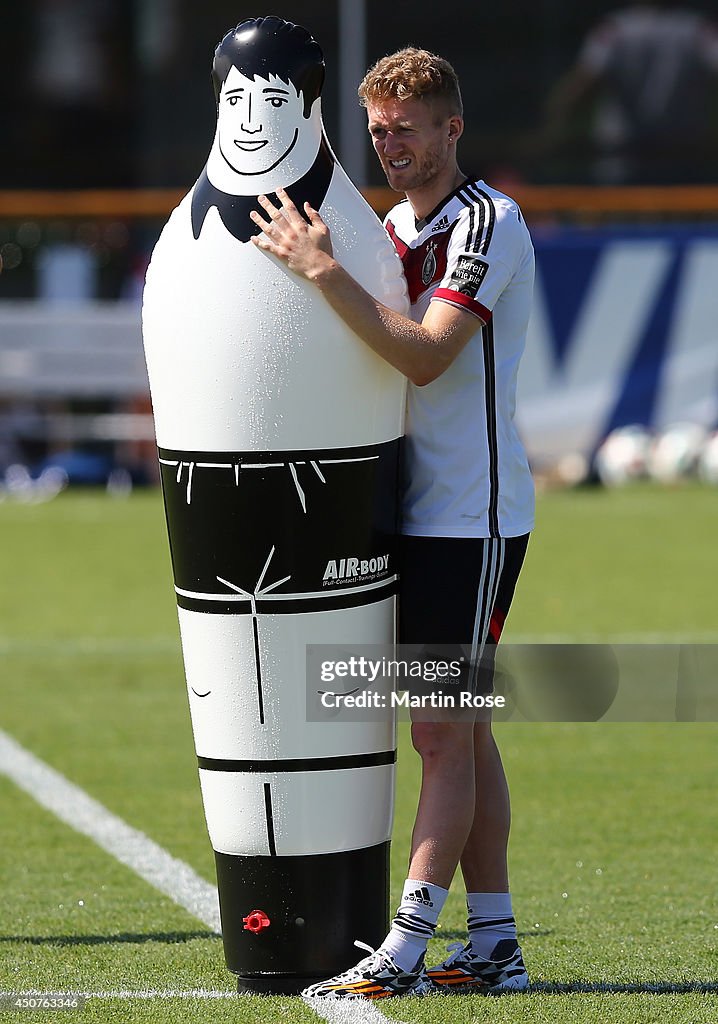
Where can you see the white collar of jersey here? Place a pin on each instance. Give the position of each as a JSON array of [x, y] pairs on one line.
[[452, 199]]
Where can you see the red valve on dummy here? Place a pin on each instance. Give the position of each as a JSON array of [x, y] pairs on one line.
[[256, 921]]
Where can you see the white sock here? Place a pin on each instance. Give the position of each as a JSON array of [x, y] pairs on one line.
[[415, 921], [490, 921]]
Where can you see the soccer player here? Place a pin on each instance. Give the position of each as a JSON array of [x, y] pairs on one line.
[[468, 503], [644, 80]]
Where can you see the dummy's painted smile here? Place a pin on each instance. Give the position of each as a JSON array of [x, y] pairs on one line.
[[250, 147]]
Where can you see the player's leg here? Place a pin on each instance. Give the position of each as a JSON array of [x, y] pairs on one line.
[[484, 857], [445, 589], [445, 811], [491, 959], [443, 821]]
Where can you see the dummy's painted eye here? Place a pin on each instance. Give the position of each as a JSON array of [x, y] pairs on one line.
[[233, 100], [277, 101]]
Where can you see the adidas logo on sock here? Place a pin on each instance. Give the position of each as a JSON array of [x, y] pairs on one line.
[[420, 896]]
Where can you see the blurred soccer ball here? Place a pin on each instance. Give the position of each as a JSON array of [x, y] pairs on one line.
[[708, 460], [676, 451], [572, 469], [622, 456]]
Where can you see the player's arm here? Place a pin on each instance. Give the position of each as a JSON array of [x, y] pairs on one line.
[[420, 351]]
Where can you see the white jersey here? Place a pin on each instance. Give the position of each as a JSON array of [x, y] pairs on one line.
[[466, 471]]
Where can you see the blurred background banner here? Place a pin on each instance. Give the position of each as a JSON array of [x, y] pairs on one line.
[[624, 331]]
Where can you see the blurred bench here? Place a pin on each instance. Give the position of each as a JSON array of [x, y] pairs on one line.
[[57, 359]]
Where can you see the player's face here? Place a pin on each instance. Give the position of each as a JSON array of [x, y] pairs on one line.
[[414, 140], [258, 123]]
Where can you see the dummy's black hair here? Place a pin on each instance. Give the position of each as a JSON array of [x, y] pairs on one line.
[[271, 46]]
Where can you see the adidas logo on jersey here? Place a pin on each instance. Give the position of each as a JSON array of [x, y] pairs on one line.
[[440, 224], [420, 896]]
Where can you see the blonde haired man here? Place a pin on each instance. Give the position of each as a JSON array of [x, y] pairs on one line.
[[467, 502]]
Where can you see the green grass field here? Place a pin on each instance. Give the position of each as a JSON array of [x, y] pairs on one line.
[[615, 825]]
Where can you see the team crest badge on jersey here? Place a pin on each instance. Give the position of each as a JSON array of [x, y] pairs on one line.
[[468, 274], [428, 269]]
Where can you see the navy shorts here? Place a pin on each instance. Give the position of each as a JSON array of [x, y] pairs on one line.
[[454, 596]]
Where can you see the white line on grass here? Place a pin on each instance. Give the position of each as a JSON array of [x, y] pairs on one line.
[[166, 873], [347, 1011], [131, 847]]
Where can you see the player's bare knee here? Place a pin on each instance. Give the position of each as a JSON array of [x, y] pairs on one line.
[[440, 741]]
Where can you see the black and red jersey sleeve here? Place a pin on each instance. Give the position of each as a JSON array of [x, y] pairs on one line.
[[481, 255]]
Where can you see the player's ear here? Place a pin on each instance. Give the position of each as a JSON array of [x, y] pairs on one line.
[[455, 127]]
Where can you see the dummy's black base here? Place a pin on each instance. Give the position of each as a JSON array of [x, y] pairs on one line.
[[279, 984], [316, 905]]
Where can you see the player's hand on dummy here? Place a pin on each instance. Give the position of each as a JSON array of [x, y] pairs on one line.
[[304, 247]]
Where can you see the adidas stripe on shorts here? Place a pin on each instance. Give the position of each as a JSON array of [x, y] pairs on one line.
[[455, 594]]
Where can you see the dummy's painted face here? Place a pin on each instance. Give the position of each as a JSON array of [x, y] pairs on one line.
[[259, 122]]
